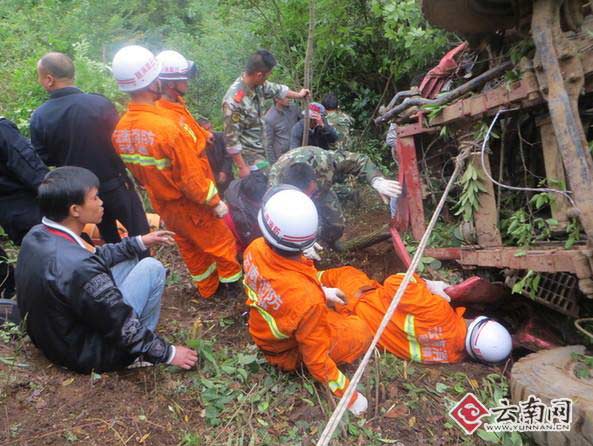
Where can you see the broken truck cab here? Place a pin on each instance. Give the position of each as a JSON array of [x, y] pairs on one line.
[[545, 99]]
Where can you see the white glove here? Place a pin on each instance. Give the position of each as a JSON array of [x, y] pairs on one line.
[[386, 188], [359, 405], [221, 209], [334, 295], [311, 253], [438, 287]]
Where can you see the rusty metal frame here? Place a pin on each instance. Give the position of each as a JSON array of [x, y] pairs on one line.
[[561, 71]]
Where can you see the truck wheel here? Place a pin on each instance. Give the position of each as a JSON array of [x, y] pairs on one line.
[[549, 374]]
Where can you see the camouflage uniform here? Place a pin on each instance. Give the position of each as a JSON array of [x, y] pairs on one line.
[[343, 123], [243, 112], [330, 167]]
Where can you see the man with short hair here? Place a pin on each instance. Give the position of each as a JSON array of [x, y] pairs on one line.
[[314, 171], [21, 171], [74, 129], [90, 309], [243, 108], [279, 120], [341, 121], [321, 134], [160, 147]]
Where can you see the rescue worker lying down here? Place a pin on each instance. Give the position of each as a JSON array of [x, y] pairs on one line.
[[289, 319], [424, 328]]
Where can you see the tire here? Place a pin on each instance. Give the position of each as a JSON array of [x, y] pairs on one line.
[[549, 374]]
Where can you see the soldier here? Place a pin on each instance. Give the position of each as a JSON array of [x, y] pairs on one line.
[[342, 122], [242, 108], [315, 170]]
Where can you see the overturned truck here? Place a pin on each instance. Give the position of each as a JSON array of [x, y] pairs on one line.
[[517, 96]]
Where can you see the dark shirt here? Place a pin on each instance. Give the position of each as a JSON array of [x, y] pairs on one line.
[[218, 157], [74, 129], [278, 125], [21, 169], [318, 136]]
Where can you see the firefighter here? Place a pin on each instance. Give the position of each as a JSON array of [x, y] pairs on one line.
[[289, 318], [424, 328], [161, 154]]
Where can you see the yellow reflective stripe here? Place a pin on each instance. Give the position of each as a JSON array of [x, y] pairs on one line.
[[415, 350], [267, 316], [232, 278], [143, 160], [205, 274], [338, 384], [319, 275], [212, 191]]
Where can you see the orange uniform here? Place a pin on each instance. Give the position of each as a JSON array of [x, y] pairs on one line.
[[161, 155], [289, 319], [424, 327]]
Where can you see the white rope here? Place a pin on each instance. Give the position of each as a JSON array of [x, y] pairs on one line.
[[334, 420], [506, 186]]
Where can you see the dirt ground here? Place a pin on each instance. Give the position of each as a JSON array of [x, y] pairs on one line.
[[233, 398]]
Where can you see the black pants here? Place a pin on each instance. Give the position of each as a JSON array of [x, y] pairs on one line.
[[18, 215], [122, 203]]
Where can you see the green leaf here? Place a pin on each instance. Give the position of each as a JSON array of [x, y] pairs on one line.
[[441, 388]]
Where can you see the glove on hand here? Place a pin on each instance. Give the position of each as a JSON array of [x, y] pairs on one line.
[[386, 188], [311, 253], [438, 287], [358, 404], [221, 209], [334, 295]]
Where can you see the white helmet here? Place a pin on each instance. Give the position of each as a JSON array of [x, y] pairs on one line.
[[288, 219], [134, 68], [487, 340], [175, 67]]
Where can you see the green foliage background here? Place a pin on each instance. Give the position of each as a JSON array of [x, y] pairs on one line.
[[364, 49]]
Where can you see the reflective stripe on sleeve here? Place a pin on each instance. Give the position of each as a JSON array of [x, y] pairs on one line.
[[253, 302], [146, 161], [212, 191], [338, 384], [414, 346]]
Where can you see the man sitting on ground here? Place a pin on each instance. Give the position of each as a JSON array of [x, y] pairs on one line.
[[90, 309], [289, 319]]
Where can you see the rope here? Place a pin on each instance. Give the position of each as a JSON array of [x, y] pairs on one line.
[[334, 420]]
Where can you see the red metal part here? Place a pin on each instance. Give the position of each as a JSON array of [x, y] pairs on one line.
[[433, 82], [534, 335], [400, 249], [444, 253], [410, 207], [476, 290]]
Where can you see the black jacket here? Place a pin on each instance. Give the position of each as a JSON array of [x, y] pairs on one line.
[[244, 213], [318, 136], [74, 311], [21, 169], [74, 129]]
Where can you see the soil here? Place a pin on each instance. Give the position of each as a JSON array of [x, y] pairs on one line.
[[43, 404]]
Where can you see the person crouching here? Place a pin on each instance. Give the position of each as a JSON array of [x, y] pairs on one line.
[[86, 308]]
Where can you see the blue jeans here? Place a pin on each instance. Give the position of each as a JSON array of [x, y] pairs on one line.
[[142, 284]]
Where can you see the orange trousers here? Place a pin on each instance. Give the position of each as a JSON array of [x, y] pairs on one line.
[[350, 338], [205, 243]]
